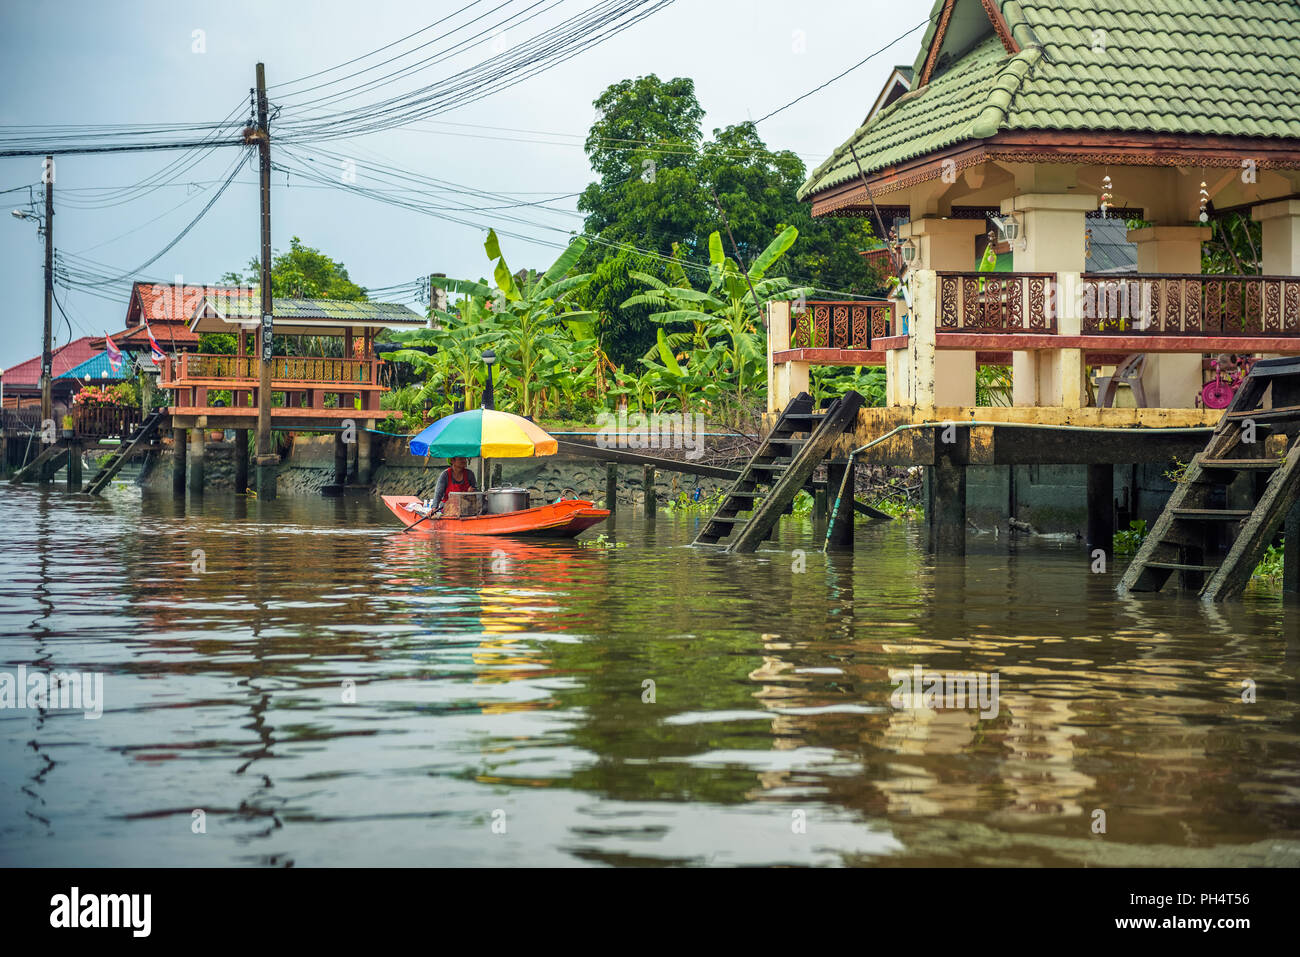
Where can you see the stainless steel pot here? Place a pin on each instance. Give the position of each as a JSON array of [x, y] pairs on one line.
[[503, 500]]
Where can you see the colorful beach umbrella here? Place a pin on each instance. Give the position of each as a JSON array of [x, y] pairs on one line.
[[485, 432]]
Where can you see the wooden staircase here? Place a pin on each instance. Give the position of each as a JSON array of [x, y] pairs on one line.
[[1180, 541], [115, 461], [782, 466]]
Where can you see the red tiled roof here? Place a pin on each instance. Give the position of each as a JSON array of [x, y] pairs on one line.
[[28, 374], [167, 302]]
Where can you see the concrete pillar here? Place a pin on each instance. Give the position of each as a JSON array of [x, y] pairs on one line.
[[945, 507], [241, 460], [920, 377], [340, 459], [839, 536], [1280, 235], [1051, 240], [1171, 381], [778, 338], [365, 471], [198, 448], [178, 461]]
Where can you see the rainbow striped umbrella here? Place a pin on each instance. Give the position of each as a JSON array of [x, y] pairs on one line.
[[485, 432]]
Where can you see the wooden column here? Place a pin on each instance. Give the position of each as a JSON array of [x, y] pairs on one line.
[[651, 498], [178, 462], [197, 451], [1101, 509], [611, 487], [74, 465], [340, 459], [241, 458], [840, 533]]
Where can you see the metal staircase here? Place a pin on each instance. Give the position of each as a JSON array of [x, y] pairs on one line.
[[782, 466], [1183, 537]]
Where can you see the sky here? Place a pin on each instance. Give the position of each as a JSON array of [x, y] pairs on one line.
[[108, 62]]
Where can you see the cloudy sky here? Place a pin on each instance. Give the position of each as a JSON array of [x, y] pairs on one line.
[[107, 62]]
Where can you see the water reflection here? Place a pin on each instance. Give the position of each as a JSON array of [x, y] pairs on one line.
[[329, 690]]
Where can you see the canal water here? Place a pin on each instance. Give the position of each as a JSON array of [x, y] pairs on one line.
[[298, 683]]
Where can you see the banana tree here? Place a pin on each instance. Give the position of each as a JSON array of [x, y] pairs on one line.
[[528, 311], [459, 339], [730, 309]]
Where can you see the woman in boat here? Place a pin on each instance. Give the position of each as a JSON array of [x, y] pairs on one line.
[[456, 478]]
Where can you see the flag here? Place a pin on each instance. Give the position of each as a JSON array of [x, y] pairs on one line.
[[114, 353], [155, 350]]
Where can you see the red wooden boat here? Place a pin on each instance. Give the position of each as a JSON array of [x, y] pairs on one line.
[[563, 519]]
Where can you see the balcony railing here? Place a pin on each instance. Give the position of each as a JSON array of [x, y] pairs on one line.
[[990, 302], [839, 325], [104, 421], [286, 369], [1182, 305]]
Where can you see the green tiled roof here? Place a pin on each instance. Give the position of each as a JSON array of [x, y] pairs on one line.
[[1201, 67], [240, 303]]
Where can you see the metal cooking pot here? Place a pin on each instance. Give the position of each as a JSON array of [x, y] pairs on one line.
[[502, 500]]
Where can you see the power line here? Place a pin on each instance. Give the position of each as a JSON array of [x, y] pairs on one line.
[[823, 86]]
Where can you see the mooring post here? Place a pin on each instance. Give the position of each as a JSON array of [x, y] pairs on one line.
[[945, 510], [821, 503], [1101, 509], [197, 451], [611, 487], [178, 462], [340, 460], [74, 465], [241, 461], [648, 481], [840, 533]]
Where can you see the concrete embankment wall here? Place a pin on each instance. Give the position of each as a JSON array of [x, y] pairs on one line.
[[309, 467]]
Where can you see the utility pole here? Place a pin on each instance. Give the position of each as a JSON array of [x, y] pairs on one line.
[[47, 361], [266, 460]]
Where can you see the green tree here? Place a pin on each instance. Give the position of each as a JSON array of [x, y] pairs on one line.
[[302, 273], [656, 178]]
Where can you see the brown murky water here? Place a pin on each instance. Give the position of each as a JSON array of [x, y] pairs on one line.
[[500, 713]]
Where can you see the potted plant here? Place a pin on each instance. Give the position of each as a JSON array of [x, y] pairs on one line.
[[68, 426]]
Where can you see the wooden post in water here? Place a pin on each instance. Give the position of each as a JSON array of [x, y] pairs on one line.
[[364, 472], [178, 462], [340, 460], [1291, 551], [821, 503], [611, 487], [945, 510], [651, 503], [1101, 509], [839, 536], [197, 452], [241, 460], [74, 465]]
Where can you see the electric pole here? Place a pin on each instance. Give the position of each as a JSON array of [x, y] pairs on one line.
[[47, 361], [266, 459]]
